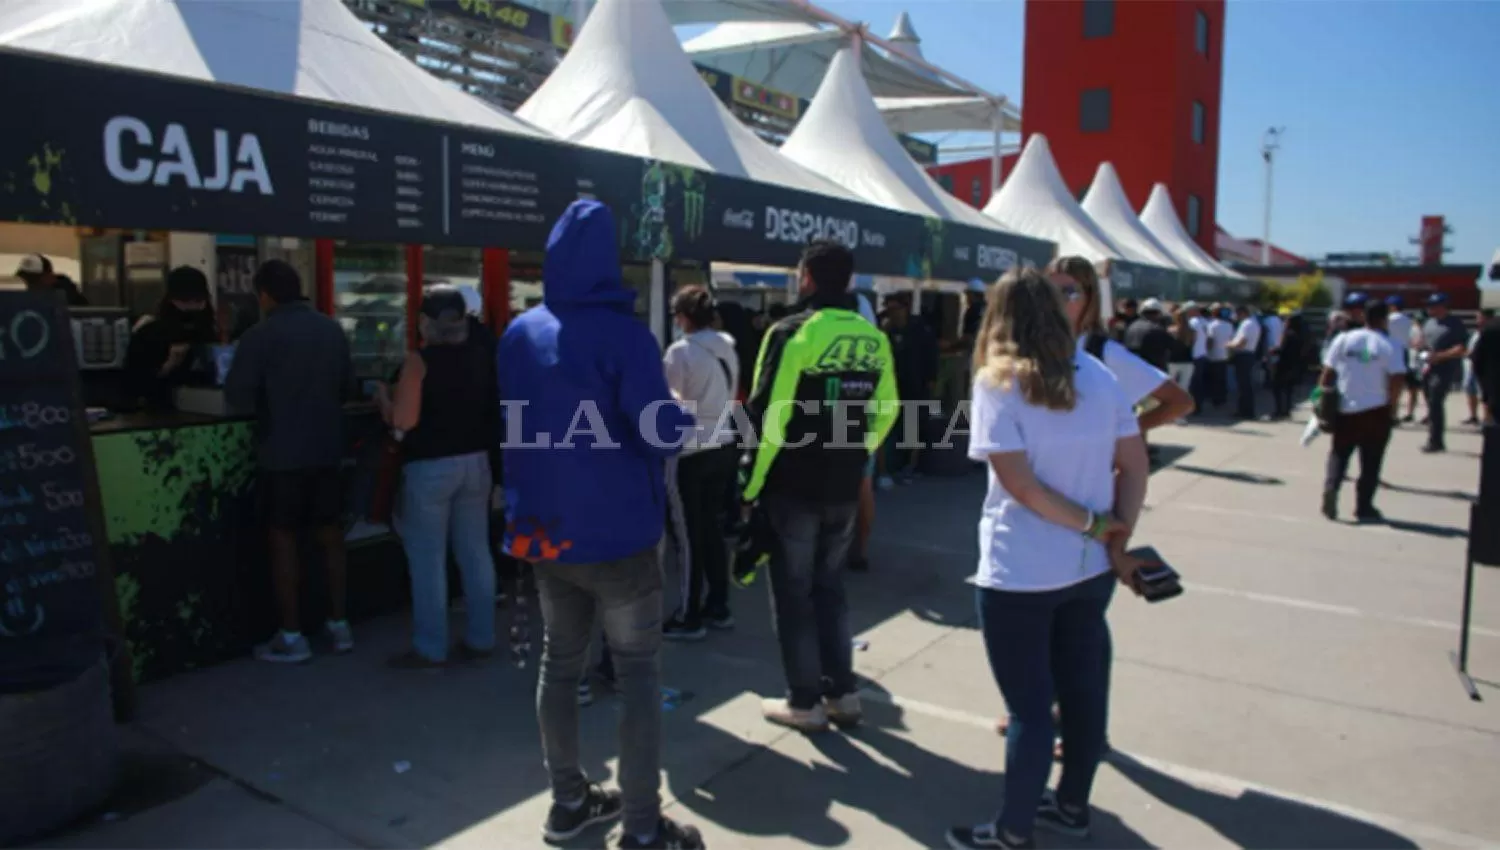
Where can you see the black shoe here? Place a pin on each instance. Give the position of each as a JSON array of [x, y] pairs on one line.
[[1331, 505], [1369, 515], [670, 835], [680, 631], [1054, 818], [1471, 421], [1430, 449], [983, 836], [599, 806], [859, 564], [719, 620], [1410, 418]]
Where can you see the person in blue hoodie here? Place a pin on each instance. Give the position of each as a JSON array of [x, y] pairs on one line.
[[589, 424]]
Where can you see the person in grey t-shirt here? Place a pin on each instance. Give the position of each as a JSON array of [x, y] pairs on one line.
[[1445, 341]]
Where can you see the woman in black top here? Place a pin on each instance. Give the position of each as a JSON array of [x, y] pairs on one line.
[[161, 350], [445, 411]]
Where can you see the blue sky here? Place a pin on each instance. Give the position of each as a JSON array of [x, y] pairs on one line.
[[1391, 109]]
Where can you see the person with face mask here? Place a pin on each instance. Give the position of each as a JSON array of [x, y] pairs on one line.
[[159, 357]]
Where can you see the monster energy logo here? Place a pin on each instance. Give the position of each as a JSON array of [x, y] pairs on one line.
[[692, 211]]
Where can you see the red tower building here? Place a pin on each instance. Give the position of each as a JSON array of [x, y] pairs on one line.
[[1132, 82]]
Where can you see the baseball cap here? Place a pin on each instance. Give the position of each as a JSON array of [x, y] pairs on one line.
[[1151, 305], [186, 283], [444, 303], [1190, 305], [1437, 299], [1394, 301], [1355, 299], [976, 285], [33, 264]]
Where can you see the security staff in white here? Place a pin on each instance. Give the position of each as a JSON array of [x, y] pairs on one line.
[[1367, 372]]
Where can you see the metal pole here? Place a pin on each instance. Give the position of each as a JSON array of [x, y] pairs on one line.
[[1268, 148], [999, 128]]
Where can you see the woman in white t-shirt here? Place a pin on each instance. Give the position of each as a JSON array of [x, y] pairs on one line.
[[1139, 379], [1054, 426]]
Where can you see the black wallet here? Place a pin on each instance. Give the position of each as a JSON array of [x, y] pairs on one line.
[[1157, 580]]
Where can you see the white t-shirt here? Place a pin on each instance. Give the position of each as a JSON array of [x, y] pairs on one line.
[[1137, 377], [1364, 361], [1274, 328], [1220, 333], [1249, 334], [1399, 326], [1071, 451], [1200, 336], [695, 368]]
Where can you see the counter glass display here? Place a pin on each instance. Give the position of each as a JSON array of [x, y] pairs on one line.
[[369, 298]]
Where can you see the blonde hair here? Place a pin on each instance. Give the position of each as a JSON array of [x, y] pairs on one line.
[[1082, 271], [1025, 342]]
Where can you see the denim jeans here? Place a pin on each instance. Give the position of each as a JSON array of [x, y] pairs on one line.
[[447, 501], [1044, 646], [1435, 387], [626, 595], [1244, 379], [702, 478], [807, 596]]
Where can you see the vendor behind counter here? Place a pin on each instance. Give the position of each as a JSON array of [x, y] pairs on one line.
[[172, 348]]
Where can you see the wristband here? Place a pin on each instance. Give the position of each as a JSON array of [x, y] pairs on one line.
[[1098, 526], [1088, 522]]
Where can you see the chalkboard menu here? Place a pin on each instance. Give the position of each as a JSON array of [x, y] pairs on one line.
[[51, 529]]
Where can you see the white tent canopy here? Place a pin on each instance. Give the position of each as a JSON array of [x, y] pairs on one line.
[[307, 48], [627, 86], [1035, 201], [843, 138], [951, 113], [1106, 204], [793, 57], [1160, 218]]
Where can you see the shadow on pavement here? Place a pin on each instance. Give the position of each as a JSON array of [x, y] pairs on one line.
[[1229, 474], [1422, 491], [1427, 528], [1254, 818]]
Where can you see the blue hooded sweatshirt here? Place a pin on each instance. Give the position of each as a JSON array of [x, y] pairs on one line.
[[582, 375]]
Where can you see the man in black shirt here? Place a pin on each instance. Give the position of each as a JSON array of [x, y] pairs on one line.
[[915, 351], [1146, 338], [1445, 342]]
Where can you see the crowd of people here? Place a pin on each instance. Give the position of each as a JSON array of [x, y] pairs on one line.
[[780, 426]]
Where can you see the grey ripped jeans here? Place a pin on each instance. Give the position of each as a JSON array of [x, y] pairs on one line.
[[626, 595], [807, 597]]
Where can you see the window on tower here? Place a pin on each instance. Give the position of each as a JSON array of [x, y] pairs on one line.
[[1098, 18], [976, 191], [1198, 122], [1093, 111], [1195, 213], [1200, 32], [946, 181]]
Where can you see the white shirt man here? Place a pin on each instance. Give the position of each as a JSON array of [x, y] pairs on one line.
[[1220, 332], [1366, 369], [1246, 336], [1200, 336]]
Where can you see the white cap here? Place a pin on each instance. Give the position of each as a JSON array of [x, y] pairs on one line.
[[473, 304], [32, 264], [1151, 305]]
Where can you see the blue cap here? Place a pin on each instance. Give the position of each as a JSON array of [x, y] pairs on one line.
[[1355, 299], [1437, 299], [1393, 301]]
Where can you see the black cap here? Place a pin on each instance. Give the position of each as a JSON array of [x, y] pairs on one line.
[[444, 303], [186, 283]]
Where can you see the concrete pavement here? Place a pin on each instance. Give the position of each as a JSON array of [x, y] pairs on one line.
[[1299, 694]]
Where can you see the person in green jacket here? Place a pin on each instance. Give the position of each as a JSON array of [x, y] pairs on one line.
[[823, 401]]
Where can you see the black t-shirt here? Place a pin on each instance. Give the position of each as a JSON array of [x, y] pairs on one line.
[[150, 345], [1149, 341], [1442, 335], [915, 352]]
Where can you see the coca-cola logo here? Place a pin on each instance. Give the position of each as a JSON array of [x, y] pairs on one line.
[[739, 219]]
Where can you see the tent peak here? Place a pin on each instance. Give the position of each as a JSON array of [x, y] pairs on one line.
[[903, 30]]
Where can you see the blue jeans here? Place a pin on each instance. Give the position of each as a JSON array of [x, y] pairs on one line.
[[1045, 646], [807, 596], [447, 501], [626, 595]]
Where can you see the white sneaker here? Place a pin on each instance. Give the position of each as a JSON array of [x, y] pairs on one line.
[[342, 636], [780, 712], [283, 650], [844, 711]]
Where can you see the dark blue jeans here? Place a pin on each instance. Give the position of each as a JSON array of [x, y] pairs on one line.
[[1046, 646], [807, 596]]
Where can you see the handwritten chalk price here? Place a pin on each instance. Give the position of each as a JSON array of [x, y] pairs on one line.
[[33, 416], [26, 336]]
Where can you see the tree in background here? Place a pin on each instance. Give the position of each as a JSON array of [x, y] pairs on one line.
[[1308, 291]]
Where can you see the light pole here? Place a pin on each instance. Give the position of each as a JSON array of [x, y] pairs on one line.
[[1269, 145]]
